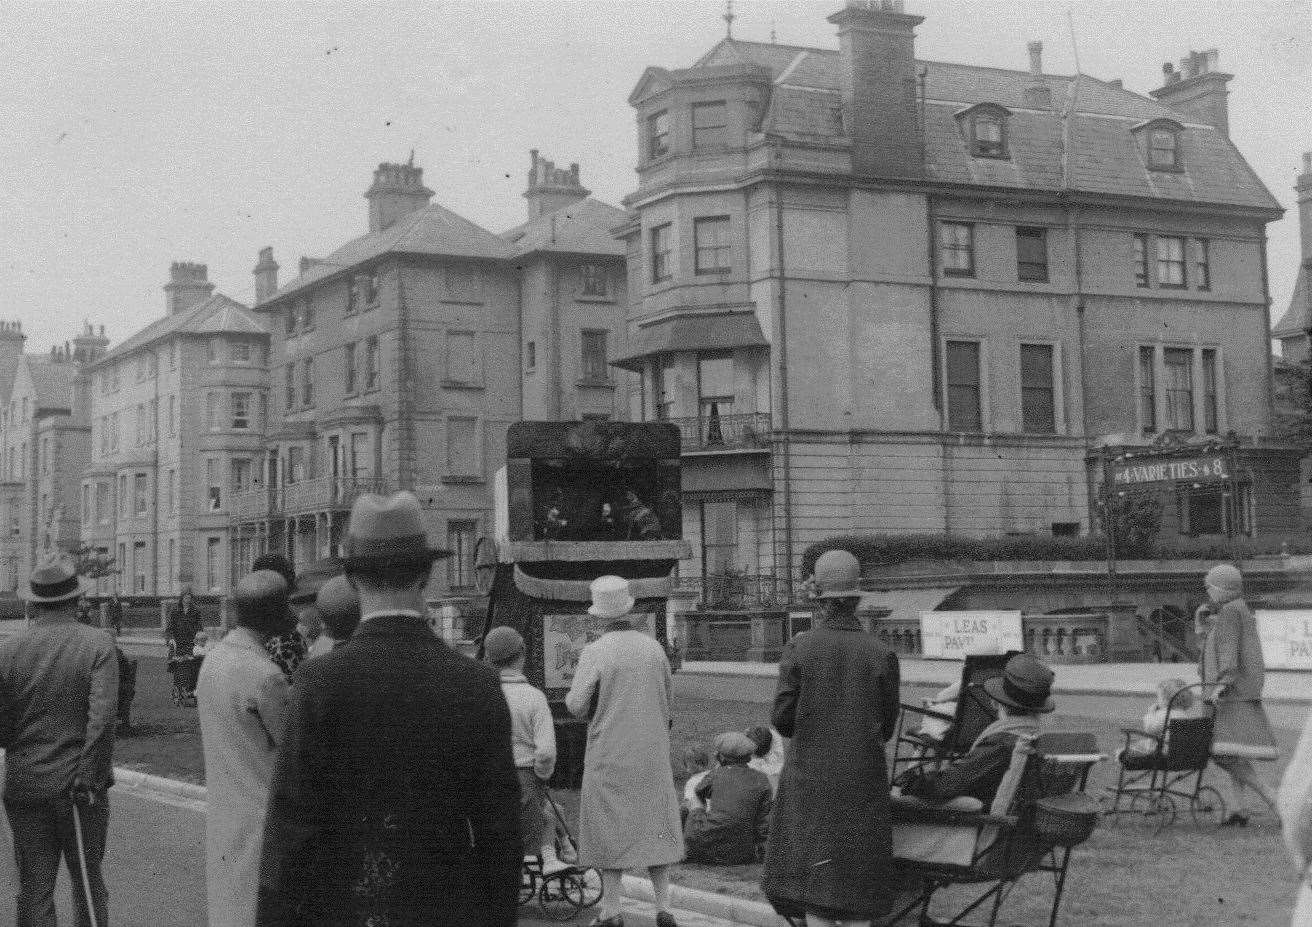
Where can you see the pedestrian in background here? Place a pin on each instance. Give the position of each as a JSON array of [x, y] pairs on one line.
[[395, 799], [830, 847], [338, 607], [60, 679], [114, 613], [1231, 655], [287, 646], [628, 809], [183, 624], [243, 700]]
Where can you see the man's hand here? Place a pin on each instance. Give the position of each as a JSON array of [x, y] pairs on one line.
[[81, 793]]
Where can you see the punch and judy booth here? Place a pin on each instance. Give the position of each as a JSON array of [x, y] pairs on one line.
[[575, 501]]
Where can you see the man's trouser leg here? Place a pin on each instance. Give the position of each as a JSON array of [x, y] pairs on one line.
[[36, 854], [95, 824]]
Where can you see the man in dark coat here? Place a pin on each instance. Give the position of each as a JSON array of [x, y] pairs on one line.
[[395, 799], [837, 698]]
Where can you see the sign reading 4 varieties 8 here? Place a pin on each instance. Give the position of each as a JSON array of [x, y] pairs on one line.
[[1177, 469]]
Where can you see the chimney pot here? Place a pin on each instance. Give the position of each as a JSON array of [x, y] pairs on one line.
[[1036, 57], [1307, 162]]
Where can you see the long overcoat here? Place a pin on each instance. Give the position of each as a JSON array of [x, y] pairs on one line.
[[830, 838], [1231, 653], [243, 700], [628, 809], [395, 800]]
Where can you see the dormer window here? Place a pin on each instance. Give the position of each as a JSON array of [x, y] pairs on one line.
[[985, 129], [1160, 144]]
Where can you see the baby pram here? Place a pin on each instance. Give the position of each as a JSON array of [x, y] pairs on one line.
[[185, 670], [564, 894]]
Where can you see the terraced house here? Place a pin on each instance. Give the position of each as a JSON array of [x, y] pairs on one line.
[[178, 415], [399, 360], [883, 294]]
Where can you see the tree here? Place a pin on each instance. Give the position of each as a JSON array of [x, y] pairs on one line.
[[1136, 519], [92, 564]]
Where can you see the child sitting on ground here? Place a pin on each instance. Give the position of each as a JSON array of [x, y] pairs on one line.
[[1185, 707], [697, 762], [732, 828], [533, 742]]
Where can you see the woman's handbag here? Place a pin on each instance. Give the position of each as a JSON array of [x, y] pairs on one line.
[[1242, 730]]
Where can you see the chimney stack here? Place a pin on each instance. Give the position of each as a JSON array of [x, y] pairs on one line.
[[877, 43], [1197, 91], [266, 275], [1036, 58], [188, 286], [397, 191], [89, 347], [1037, 95], [550, 187]]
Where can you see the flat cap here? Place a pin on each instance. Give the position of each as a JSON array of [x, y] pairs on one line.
[[734, 745], [258, 595]]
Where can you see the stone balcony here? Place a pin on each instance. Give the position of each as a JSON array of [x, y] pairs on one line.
[[304, 497]]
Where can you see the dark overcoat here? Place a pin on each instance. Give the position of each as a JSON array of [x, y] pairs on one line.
[[394, 799], [830, 839]]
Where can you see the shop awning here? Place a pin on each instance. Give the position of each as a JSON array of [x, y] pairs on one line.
[[718, 332], [907, 603]]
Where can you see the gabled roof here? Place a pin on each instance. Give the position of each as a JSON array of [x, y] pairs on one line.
[[806, 105], [1294, 323], [433, 230], [583, 227], [215, 315]]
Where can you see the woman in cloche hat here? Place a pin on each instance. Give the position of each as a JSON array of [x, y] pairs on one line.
[[628, 810]]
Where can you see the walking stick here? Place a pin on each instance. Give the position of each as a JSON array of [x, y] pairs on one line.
[[82, 865]]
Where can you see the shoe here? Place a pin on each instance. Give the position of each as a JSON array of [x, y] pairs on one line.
[[616, 921], [665, 919], [1235, 820]]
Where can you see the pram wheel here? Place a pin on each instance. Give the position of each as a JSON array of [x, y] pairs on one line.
[[1207, 808], [1157, 810], [528, 885], [590, 880], [561, 896]]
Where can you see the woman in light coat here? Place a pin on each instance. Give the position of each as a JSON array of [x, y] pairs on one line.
[[1295, 801], [1231, 655], [628, 810]]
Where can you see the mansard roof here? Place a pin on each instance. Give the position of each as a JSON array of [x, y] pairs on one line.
[[806, 106], [218, 314]]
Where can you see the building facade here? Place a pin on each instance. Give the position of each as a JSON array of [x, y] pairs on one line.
[[399, 360], [881, 294], [177, 419]]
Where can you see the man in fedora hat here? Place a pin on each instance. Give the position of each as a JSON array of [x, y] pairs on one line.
[[60, 679], [1023, 693], [395, 798], [831, 842], [243, 699]]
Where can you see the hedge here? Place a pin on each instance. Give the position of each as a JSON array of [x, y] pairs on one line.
[[881, 550]]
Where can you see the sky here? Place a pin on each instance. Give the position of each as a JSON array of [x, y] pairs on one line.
[[139, 134]]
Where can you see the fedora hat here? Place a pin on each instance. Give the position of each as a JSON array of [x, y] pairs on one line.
[[1025, 684], [54, 580], [388, 532], [611, 597], [838, 575]]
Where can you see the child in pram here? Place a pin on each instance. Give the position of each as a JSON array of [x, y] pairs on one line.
[[185, 670]]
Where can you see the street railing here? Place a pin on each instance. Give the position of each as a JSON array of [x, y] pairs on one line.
[[730, 432]]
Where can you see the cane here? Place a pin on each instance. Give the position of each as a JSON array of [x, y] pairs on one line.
[[82, 861]]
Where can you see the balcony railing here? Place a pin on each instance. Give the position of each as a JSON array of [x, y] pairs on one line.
[[728, 432], [734, 591], [305, 496]]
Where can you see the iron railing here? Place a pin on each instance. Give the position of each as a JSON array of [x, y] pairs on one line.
[[730, 432], [305, 496], [733, 591]]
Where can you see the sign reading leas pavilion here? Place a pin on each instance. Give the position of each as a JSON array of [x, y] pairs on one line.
[[954, 635], [1146, 470]]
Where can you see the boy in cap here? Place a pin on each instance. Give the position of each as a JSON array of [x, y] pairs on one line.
[[733, 827], [532, 738]]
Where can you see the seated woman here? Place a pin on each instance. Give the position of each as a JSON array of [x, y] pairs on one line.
[[732, 828], [1023, 693], [1141, 749]]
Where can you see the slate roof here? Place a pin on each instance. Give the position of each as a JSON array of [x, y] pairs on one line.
[[806, 105], [52, 383], [1294, 322], [216, 314], [433, 230], [579, 228]]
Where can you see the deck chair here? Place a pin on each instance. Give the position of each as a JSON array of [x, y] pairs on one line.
[[1038, 816], [975, 711], [1158, 783]]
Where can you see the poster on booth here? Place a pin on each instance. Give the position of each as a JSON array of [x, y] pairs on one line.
[[1286, 635], [954, 635], [565, 636]]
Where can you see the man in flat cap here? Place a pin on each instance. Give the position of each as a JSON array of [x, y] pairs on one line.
[[395, 799], [243, 700], [59, 689]]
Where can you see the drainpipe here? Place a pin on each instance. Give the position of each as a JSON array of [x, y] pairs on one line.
[[154, 507], [1266, 327], [784, 425], [931, 250]]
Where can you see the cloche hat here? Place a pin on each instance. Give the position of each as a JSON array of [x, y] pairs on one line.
[[611, 597], [1025, 684], [502, 643], [54, 580], [1226, 577], [388, 532], [838, 575]]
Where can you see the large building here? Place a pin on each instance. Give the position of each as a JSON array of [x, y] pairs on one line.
[[45, 445], [399, 360], [178, 416], [885, 294]]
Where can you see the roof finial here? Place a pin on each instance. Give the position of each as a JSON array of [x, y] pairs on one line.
[[728, 19]]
